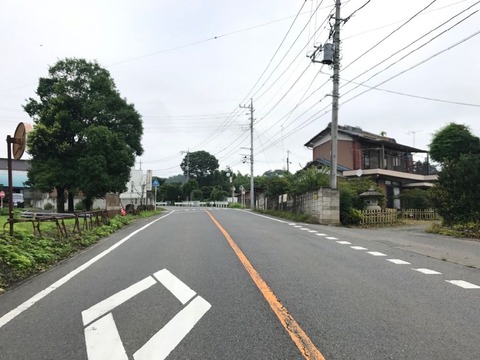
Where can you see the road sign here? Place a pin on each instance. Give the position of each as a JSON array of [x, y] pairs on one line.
[[149, 181], [2, 194], [156, 183], [101, 335]]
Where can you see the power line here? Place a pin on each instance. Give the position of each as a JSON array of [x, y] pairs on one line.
[[415, 96], [386, 37], [275, 53], [416, 65], [413, 42]]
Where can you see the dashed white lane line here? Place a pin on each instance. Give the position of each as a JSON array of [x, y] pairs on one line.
[[427, 271], [463, 284], [460, 283], [398, 262], [358, 248], [376, 253]]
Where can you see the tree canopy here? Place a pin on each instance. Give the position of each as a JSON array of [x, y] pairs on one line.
[[86, 136], [456, 195], [452, 141], [200, 165]]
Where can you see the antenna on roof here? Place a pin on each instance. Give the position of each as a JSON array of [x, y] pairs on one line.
[[413, 135]]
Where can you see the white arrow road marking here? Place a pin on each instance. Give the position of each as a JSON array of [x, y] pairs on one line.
[[115, 300], [163, 342], [103, 340], [181, 291]]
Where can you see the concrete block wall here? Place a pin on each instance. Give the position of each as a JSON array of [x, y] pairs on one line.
[[323, 205]]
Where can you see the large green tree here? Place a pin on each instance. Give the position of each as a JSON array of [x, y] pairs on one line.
[[457, 195], [86, 136], [452, 141], [201, 166]]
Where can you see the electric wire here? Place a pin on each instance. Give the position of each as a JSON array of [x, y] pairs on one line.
[[413, 42], [416, 65], [390, 34], [416, 96]]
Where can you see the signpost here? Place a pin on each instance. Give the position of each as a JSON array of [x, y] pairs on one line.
[[19, 144], [155, 184]]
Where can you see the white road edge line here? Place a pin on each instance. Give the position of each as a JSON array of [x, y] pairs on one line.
[[398, 262], [164, 341], [110, 303], [427, 271], [103, 340], [376, 253], [39, 296], [463, 284], [358, 248], [177, 287], [344, 242]]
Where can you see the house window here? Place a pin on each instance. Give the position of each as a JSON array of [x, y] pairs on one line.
[[366, 159], [396, 161]]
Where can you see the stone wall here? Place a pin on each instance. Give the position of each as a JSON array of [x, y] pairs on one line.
[[323, 205]]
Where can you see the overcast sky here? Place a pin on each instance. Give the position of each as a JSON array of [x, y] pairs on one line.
[[186, 66]]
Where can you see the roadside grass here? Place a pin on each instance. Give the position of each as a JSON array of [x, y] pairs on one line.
[[25, 254], [288, 215], [469, 230]]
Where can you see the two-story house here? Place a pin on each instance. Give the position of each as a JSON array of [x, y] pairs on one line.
[[361, 153]]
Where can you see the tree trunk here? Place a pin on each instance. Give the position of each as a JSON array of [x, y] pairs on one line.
[[71, 205], [60, 199]]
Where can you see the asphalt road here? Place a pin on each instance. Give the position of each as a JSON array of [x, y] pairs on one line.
[[230, 284]]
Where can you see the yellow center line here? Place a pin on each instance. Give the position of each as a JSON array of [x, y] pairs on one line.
[[299, 337]]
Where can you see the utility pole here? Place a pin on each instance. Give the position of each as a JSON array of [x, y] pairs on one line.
[[288, 161], [252, 184], [331, 56], [335, 96]]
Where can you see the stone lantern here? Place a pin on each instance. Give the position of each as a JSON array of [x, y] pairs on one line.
[[371, 198]]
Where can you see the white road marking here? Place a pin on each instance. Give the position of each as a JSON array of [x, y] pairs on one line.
[[177, 287], [320, 234], [427, 271], [312, 231], [292, 224], [304, 229], [376, 253], [331, 238], [358, 248], [463, 284], [103, 340], [398, 262], [343, 242], [297, 226], [164, 341], [115, 300], [39, 296]]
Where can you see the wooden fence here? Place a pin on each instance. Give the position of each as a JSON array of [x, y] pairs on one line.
[[379, 217], [391, 216], [418, 214]]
